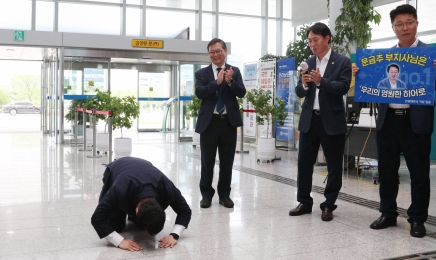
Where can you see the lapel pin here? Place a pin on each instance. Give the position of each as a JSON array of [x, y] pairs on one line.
[[333, 62]]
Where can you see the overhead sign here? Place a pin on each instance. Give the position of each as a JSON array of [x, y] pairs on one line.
[[18, 35], [155, 44], [396, 75]]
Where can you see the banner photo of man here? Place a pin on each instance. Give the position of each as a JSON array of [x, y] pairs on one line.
[[396, 75]]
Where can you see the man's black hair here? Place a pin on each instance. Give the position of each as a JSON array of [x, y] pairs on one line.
[[393, 65], [217, 40], [320, 29], [150, 217], [403, 9]]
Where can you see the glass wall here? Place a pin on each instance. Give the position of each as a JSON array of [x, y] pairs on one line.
[[169, 24], [16, 15], [241, 31], [163, 19], [87, 18], [238, 21], [154, 90], [426, 10], [44, 16]]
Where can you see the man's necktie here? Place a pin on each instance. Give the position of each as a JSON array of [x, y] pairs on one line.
[[220, 101]]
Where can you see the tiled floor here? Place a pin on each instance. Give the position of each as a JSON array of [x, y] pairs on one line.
[[48, 193]]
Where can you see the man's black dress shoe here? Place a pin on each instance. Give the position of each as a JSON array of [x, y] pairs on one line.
[[205, 202], [383, 222], [300, 210], [417, 229], [227, 202], [326, 214]]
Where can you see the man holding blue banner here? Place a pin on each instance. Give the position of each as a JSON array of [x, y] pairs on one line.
[[406, 129]]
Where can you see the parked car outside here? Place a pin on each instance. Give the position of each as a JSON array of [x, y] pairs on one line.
[[22, 107]]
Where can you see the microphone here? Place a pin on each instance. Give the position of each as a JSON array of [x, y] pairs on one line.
[[304, 67]]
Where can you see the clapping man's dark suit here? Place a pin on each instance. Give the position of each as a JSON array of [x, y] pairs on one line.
[[323, 125], [217, 126]]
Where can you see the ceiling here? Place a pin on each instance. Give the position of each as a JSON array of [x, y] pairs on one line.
[[21, 53]]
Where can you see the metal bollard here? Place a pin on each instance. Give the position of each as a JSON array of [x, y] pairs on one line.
[[76, 129], [109, 125], [84, 132], [94, 137]]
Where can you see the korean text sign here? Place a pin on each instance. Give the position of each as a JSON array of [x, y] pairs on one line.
[[396, 75]]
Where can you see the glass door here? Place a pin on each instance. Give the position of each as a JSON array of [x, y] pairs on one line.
[[187, 89], [52, 93], [83, 76], [154, 93], [150, 83]]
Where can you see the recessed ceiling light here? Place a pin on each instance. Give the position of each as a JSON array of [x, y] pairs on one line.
[[148, 62], [10, 50]]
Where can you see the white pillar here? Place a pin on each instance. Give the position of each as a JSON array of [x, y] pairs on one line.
[[335, 11]]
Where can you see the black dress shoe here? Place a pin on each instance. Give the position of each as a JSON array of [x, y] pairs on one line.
[[227, 202], [383, 222], [300, 210], [326, 214], [417, 229], [205, 202]]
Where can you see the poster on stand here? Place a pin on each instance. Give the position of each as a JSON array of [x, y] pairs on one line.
[[285, 89], [250, 82], [396, 75], [266, 82]]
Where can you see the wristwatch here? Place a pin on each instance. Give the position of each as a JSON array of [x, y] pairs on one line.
[[231, 81], [176, 237]]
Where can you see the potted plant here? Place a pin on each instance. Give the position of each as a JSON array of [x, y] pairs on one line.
[[269, 113], [104, 103], [192, 110], [124, 110], [71, 115]]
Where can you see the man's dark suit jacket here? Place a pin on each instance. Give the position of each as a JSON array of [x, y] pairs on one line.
[[206, 89], [421, 117], [128, 180], [335, 83]]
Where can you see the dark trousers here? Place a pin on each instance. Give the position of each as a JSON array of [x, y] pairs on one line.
[[333, 147], [396, 136], [221, 135], [117, 218]]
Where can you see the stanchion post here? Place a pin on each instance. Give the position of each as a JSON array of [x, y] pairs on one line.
[[110, 135], [76, 129], [84, 132], [242, 139], [94, 137]]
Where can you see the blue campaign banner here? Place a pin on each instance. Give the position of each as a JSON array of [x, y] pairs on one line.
[[396, 75], [285, 86]]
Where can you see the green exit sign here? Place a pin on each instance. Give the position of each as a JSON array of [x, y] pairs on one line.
[[18, 35]]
